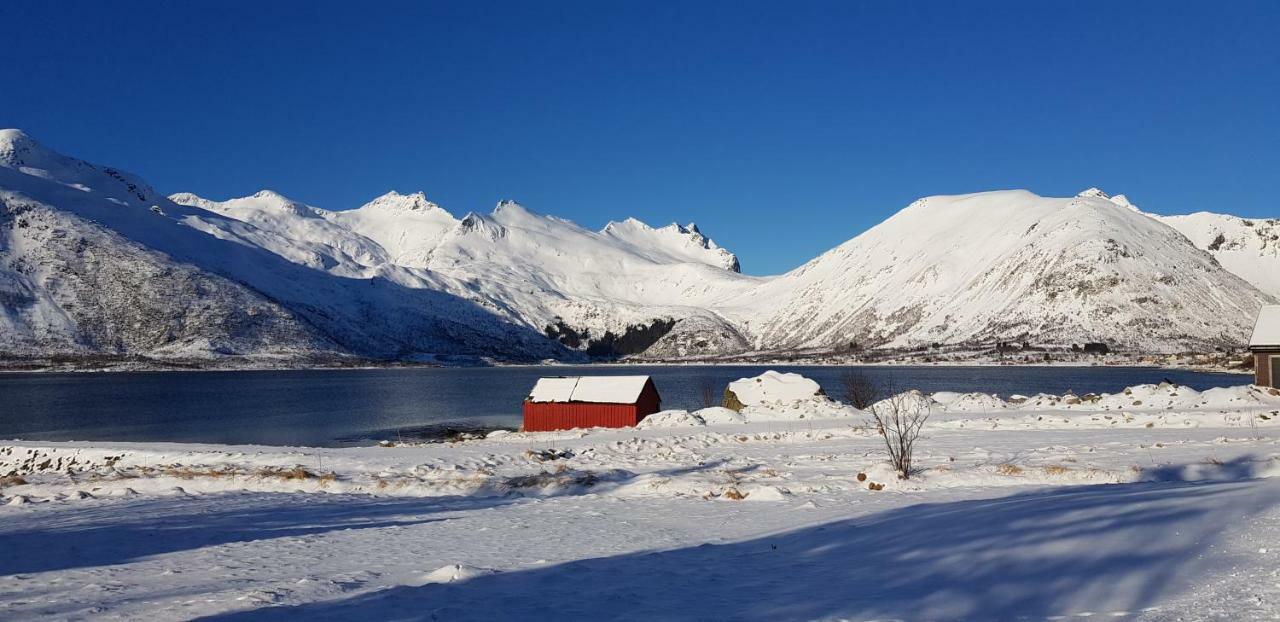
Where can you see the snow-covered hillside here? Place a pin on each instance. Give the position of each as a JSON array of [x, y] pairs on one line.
[[616, 291], [94, 262], [1010, 266], [1249, 247], [402, 278]]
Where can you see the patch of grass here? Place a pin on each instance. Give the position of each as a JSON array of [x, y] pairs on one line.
[[296, 473], [734, 493], [1055, 469], [1008, 468]]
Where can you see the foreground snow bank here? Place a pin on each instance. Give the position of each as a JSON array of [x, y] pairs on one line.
[[716, 415]]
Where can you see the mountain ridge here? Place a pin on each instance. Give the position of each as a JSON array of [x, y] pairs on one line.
[[402, 278]]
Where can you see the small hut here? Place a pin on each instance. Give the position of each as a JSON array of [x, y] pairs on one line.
[[1265, 346], [561, 403]]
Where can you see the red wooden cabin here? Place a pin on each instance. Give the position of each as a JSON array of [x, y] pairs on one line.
[[565, 402]]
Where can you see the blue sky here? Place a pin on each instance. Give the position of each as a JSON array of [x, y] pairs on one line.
[[783, 129]]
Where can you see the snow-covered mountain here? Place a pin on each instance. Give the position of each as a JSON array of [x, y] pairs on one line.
[[1010, 266], [1248, 247], [93, 261], [616, 291]]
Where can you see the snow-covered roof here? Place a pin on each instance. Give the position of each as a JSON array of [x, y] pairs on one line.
[[598, 389], [1266, 332]]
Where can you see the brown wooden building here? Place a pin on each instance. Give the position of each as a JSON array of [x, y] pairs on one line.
[[1265, 346], [562, 403]]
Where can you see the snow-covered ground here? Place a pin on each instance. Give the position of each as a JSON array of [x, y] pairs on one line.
[[1157, 503]]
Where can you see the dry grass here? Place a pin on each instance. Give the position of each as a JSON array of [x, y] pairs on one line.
[[296, 473], [734, 493], [1055, 469], [187, 472], [1008, 468], [12, 480]]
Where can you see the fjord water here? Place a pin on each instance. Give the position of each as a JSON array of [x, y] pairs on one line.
[[354, 407]]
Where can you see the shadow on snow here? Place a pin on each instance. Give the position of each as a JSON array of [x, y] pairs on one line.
[[99, 536], [1104, 548]]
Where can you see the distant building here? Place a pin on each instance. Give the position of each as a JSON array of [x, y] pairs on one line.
[[1265, 346], [565, 402]]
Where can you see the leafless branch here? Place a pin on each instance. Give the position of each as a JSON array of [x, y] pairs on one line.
[[899, 419], [707, 388], [859, 390]]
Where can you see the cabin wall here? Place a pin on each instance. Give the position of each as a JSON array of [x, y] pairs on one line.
[[548, 416], [1262, 369], [648, 403]]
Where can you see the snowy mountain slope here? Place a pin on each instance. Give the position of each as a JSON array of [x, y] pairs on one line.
[[1012, 266], [388, 313], [1248, 247], [71, 287], [407, 227], [401, 277], [616, 290], [300, 233], [671, 244]]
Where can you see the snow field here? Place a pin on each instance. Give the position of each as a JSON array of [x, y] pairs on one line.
[[1019, 511]]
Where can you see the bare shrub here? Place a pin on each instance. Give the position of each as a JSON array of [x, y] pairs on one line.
[[859, 390], [707, 390], [899, 418]]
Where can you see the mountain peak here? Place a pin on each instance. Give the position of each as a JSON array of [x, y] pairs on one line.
[[271, 195], [676, 241], [14, 137], [510, 209], [1119, 199], [413, 202], [26, 155]]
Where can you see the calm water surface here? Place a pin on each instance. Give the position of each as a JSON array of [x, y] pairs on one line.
[[346, 407]]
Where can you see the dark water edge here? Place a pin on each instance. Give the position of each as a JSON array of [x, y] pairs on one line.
[[340, 407]]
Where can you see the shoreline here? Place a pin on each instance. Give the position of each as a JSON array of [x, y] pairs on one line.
[[181, 368]]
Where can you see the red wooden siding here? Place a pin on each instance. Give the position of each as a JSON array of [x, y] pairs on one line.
[[547, 416], [1264, 375], [543, 417]]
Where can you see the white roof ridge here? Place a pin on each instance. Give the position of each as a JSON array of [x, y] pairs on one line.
[[1266, 329], [594, 389]]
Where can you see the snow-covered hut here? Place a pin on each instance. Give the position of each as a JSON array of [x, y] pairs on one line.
[[564, 402], [1265, 346]]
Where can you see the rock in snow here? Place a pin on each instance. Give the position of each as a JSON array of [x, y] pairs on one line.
[[95, 262], [454, 573], [773, 387]]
